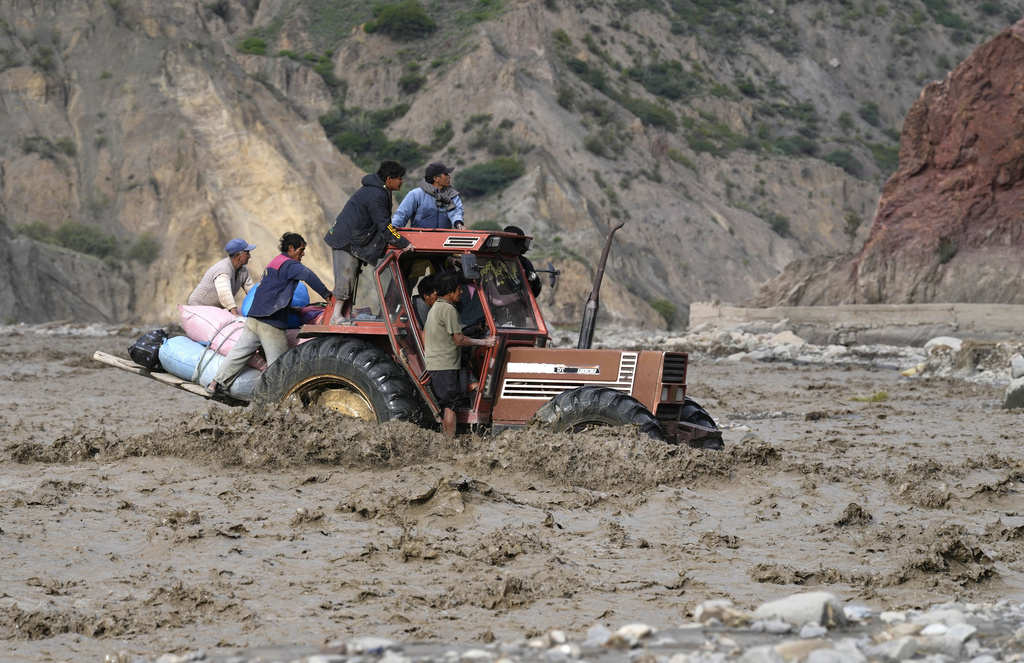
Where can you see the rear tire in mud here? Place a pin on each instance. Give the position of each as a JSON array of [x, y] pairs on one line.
[[345, 374], [582, 408]]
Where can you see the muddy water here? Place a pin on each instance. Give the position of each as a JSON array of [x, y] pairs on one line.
[[139, 518]]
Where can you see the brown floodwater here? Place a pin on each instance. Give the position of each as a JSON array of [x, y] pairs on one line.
[[136, 517]]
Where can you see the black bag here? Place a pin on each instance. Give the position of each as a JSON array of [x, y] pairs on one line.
[[146, 351]]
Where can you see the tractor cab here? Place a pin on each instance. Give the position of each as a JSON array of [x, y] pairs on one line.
[[496, 301]]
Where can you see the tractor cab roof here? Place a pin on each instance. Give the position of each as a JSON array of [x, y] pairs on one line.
[[466, 241]]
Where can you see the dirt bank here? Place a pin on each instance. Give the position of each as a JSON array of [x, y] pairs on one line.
[[140, 518]]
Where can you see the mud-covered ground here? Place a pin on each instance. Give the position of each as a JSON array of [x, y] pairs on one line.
[[138, 518]]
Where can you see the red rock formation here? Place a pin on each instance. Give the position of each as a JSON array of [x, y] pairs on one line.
[[950, 221]]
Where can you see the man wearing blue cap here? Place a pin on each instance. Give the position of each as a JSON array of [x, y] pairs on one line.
[[222, 282]]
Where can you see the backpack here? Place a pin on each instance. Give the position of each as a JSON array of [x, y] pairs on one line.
[[146, 351]]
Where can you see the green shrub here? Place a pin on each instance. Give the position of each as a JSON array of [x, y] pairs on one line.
[[40, 145], [482, 10], [443, 134], [886, 156], [845, 160], [665, 309], [746, 87], [845, 122], [651, 114], [605, 143], [869, 113], [360, 135], [486, 178], [36, 230], [254, 46], [795, 145], [778, 223], [473, 120], [411, 82], [947, 250], [145, 249], [486, 224], [404, 151], [853, 223], [403, 22], [667, 80], [86, 239], [682, 159]]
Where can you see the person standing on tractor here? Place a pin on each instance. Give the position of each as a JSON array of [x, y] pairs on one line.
[[225, 278], [362, 232], [268, 313], [433, 204], [443, 338]]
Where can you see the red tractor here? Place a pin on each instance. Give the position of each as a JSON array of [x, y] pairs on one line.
[[373, 368]]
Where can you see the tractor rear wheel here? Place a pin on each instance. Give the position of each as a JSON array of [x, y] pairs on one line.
[[583, 408], [349, 375]]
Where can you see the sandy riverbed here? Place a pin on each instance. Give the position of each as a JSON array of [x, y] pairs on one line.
[[135, 517]]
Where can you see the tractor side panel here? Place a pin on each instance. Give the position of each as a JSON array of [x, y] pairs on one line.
[[533, 376]]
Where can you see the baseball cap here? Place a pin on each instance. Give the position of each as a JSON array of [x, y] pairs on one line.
[[236, 245], [435, 169]]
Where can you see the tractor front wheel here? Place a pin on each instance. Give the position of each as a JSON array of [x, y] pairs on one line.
[[584, 408], [349, 375]]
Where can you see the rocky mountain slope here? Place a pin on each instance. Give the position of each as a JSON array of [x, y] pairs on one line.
[[949, 226], [731, 137]]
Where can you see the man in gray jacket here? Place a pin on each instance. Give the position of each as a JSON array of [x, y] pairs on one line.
[[225, 278], [362, 231]]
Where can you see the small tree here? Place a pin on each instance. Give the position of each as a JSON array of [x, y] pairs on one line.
[[485, 178], [403, 22]]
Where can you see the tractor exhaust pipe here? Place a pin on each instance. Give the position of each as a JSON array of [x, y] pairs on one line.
[[590, 312]]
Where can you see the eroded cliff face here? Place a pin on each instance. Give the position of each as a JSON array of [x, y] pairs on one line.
[[145, 119], [141, 123], [950, 222]]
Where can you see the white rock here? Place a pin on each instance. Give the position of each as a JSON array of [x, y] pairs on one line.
[[829, 656], [788, 338], [477, 656], [1016, 366], [388, 657], [570, 649], [935, 629], [940, 644], [961, 632], [761, 655], [893, 617], [811, 608], [558, 637], [984, 658], [948, 616], [637, 631], [771, 626], [950, 342], [597, 635], [857, 613], [326, 658], [370, 645], [895, 650], [851, 648], [813, 631], [834, 63], [1014, 396]]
